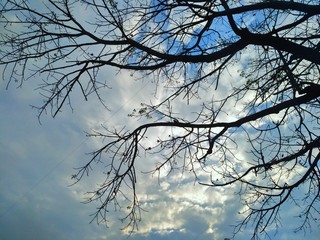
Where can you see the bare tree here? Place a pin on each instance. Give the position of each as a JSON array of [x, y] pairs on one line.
[[191, 46]]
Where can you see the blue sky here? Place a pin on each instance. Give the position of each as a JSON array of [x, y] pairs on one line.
[[37, 161]]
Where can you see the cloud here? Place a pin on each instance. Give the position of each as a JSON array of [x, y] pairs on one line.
[[36, 201], [38, 160]]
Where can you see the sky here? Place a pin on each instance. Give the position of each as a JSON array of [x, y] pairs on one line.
[[38, 200]]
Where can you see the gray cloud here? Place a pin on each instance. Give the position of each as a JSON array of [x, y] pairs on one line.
[[38, 160]]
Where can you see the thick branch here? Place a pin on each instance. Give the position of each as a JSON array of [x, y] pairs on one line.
[[266, 112]]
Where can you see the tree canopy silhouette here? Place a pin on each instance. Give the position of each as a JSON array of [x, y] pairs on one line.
[[193, 48]]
